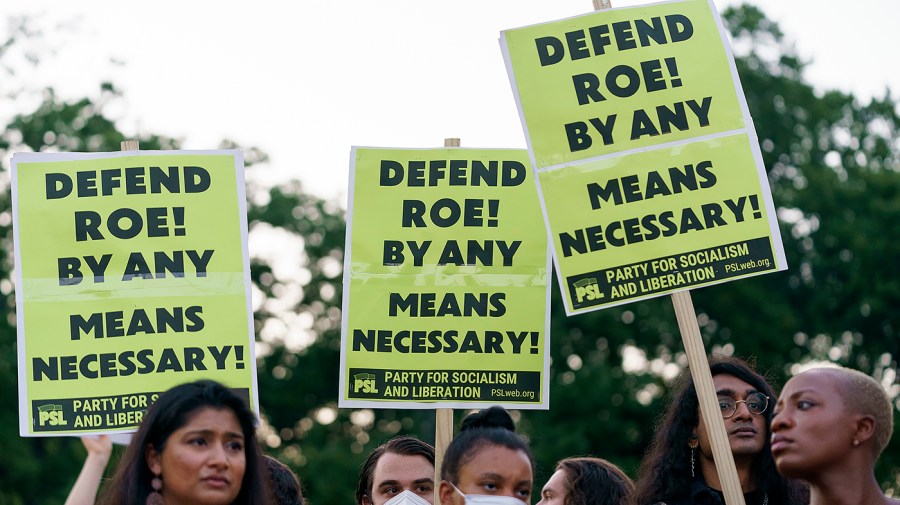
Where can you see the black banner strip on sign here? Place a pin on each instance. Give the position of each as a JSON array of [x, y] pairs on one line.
[[99, 412], [444, 385], [671, 272]]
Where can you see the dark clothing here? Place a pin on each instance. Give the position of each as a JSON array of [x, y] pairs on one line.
[[701, 494]]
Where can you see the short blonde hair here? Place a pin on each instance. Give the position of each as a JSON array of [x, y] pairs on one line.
[[864, 395]]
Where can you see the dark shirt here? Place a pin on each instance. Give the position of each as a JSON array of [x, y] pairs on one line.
[[701, 494]]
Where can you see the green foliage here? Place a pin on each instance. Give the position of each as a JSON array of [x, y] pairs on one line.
[[832, 166]]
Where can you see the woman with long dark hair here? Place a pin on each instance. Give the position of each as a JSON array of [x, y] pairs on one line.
[[197, 445], [678, 468]]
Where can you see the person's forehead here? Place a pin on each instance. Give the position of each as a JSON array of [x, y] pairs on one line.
[[399, 467], [557, 482], [212, 418], [819, 380], [730, 382], [512, 463]]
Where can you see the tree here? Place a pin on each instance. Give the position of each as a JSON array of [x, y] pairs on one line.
[[832, 164]]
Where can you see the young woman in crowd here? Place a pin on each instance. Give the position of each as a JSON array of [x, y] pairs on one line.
[[586, 481], [487, 463], [829, 428], [678, 467], [196, 445]]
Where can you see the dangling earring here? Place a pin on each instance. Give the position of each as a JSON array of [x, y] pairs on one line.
[[693, 451], [154, 498], [693, 445]]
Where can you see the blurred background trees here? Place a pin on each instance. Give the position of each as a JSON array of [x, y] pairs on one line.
[[833, 169]]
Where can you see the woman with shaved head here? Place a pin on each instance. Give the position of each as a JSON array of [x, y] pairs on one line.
[[829, 428]]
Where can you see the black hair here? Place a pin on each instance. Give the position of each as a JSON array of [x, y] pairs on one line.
[[284, 485], [492, 426], [173, 409], [404, 446], [665, 472]]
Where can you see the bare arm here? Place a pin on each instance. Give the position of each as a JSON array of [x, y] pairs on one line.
[[84, 492]]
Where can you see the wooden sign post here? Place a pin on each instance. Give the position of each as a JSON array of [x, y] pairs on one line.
[[443, 418], [706, 395]]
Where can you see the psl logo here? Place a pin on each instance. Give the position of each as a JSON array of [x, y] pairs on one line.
[[587, 289], [52, 414], [364, 383]]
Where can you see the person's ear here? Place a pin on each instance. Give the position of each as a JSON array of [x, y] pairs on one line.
[[446, 493], [693, 440], [367, 499], [153, 459], [864, 429]]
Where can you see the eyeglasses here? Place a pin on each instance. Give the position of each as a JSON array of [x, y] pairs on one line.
[[756, 404]]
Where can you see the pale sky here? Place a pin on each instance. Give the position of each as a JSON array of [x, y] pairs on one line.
[[304, 81]]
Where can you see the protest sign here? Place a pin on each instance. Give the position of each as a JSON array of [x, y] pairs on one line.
[[648, 164], [445, 281], [132, 276]]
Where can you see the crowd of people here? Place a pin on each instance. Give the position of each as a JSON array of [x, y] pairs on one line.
[[814, 444]]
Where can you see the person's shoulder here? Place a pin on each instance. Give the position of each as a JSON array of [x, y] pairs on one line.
[[674, 501]]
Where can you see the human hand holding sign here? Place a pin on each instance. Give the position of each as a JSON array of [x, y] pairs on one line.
[[99, 449]]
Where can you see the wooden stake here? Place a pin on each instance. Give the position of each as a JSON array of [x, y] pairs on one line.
[[706, 394], [443, 418], [443, 434], [129, 145]]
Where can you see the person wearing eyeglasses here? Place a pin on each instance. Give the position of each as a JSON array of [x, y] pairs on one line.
[[678, 468]]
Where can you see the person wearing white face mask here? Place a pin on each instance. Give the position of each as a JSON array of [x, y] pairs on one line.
[[407, 497], [487, 463], [398, 472]]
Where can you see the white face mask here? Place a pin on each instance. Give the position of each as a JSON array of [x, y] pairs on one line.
[[407, 498], [488, 499]]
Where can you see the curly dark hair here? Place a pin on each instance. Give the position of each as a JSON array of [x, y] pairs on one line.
[[665, 472], [594, 481]]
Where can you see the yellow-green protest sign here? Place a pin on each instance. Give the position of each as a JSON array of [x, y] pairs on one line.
[[132, 276], [622, 79], [654, 222], [648, 165], [446, 281]]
